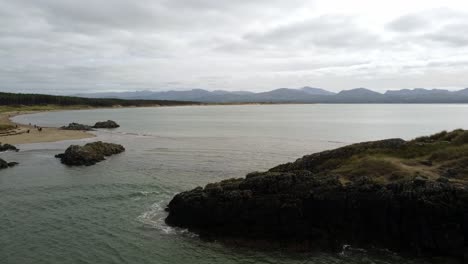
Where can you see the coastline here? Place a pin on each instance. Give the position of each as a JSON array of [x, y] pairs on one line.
[[48, 134], [54, 134]]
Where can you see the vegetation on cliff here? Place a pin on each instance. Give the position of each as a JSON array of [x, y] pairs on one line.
[[408, 196]]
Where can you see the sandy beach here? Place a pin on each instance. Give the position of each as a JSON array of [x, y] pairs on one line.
[[48, 134]]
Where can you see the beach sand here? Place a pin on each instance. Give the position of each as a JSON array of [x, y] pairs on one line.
[[48, 134]]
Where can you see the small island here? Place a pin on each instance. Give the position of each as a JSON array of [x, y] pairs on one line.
[[89, 154], [406, 196], [106, 124], [4, 164], [8, 147]]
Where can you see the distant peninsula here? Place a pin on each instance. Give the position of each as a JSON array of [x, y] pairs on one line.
[[405, 196], [301, 95]]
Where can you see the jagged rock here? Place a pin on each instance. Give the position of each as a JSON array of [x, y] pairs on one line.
[[4, 164], [6, 147], [373, 194], [89, 154], [12, 164], [76, 126], [106, 124]]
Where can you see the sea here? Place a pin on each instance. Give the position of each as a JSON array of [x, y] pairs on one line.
[[113, 212]]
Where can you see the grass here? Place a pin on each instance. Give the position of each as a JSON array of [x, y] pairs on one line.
[[444, 154], [26, 108], [4, 127]]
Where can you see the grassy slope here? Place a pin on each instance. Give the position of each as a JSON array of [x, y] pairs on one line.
[[441, 155]]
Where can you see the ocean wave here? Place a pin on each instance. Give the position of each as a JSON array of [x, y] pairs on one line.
[[154, 218]]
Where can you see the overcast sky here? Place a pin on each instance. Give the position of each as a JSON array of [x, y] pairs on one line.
[[71, 46]]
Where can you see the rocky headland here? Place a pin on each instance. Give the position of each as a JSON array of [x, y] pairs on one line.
[[406, 196], [89, 154]]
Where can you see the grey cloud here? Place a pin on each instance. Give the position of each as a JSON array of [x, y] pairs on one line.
[[452, 34], [69, 46], [324, 31], [409, 23]]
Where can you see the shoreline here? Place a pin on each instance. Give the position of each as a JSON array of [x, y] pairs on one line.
[[48, 134]]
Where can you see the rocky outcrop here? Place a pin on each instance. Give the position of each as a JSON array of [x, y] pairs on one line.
[[4, 164], [7, 147], [106, 124], [390, 194], [89, 154], [76, 126]]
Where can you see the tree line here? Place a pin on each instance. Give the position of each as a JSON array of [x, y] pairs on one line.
[[43, 99]]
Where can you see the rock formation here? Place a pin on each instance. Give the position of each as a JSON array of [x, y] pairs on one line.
[[406, 196], [76, 126], [4, 164], [89, 154], [6, 147], [106, 124]]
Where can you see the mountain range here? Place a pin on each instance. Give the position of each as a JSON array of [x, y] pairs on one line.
[[301, 95]]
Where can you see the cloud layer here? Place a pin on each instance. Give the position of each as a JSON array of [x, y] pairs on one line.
[[68, 46]]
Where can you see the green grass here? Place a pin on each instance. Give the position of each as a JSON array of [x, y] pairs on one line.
[[5, 127], [442, 154], [6, 109]]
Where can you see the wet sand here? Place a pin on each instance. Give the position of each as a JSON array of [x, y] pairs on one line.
[[48, 134]]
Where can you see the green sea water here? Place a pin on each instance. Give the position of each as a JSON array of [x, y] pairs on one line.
[[113, 212]]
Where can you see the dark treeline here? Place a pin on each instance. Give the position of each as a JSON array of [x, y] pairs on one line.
[[43, 99]]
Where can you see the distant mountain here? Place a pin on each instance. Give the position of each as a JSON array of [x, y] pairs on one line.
[[417, 92], [358, 95], [305, 94], [301, 95], [316, 91], [421, 95]]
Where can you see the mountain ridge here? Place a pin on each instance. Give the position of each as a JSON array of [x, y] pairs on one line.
[[301, 95]]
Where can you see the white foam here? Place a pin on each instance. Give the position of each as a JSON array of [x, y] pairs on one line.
[[154, 218]]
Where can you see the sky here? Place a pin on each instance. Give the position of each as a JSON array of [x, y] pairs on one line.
[[70, 46]]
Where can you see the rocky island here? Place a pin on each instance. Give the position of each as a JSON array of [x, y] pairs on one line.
[[406, 196], [8, 147], [4, 164], [103, 124], [77, 126], [89, 154], [106, 124]]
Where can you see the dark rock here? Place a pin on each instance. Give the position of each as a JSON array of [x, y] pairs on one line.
[[443, 179], [12, 164], [4, 164], [420, 180], [106, 124], [89, 154], [6, 147], [314, 202], [76, 126]]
